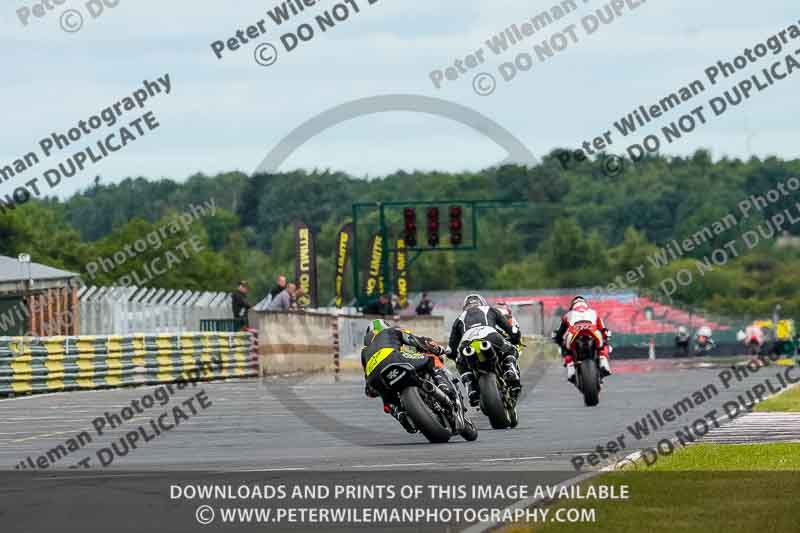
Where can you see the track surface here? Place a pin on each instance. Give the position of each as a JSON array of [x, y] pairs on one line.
[[318, 424]]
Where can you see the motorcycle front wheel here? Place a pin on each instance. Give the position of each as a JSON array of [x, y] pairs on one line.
[[470, 432]]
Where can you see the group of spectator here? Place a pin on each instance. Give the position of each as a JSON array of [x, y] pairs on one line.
[[283, 297], [384, 306]]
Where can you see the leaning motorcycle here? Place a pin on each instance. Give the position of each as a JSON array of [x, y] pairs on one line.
[[498, 400], [433, 412], [703, 342], [584, 340]]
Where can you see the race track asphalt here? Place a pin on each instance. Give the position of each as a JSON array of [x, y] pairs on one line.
[[317, 423]]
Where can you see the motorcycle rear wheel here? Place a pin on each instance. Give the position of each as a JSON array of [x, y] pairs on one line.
[[425, 420], [590, 382], [491, 402]]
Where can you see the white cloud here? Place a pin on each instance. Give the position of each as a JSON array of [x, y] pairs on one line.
[[226, 114]]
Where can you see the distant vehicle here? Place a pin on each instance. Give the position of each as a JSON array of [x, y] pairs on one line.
[[584, 340], [754, 337], [703, 343], [682, 341], [763, 338]]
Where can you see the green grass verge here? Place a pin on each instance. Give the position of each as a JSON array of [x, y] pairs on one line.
[[730, 457], [708, 488], [789, 401]]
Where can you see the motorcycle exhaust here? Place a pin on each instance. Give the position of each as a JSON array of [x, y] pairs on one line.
[[437, 393]]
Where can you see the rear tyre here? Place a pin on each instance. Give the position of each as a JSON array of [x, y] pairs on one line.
[[491, 401], [422, 416], [590, 382]]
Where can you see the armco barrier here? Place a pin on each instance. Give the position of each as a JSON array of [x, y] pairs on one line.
[[48, 364]]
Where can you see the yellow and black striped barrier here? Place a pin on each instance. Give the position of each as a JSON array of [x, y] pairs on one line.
[[47, 364]]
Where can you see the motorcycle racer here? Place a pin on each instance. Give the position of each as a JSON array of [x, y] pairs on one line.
[[477, 313], [579, 311], [383, 344], [505, 310]]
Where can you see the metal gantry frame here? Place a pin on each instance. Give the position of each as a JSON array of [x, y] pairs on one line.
[[387, 250]]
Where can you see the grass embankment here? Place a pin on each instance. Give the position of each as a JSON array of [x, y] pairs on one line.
[[706, 487], [788, 401], [713, 488]]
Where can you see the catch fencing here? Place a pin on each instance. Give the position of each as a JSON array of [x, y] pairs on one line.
[[126, 310], [49, 364]]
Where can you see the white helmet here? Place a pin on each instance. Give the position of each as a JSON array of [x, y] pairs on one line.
[[474, 300]]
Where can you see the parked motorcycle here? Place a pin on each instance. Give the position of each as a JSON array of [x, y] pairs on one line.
[[584, 340], [498, 399], [435, 413]]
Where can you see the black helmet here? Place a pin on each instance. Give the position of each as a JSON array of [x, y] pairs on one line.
[[473, 300], [375, 327], [576, 300]]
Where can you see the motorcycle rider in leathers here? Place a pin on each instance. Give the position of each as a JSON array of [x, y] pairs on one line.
[[384, 344], [477, 312], [579, 311]]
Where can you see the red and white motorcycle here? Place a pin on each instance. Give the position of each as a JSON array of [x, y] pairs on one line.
[[584, 341]]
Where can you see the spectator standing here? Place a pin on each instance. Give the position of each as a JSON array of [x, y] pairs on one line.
[[298, 292], [284, 300], [280, 286], [382, 306], [239, 303], [425, 306]]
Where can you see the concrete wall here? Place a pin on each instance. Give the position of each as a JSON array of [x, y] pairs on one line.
[[291, 342]]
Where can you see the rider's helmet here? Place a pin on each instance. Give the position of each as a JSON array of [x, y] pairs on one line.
[[681, 330], [576, 300], [704, 331], [504, 308], [474, 300], [375, 327]]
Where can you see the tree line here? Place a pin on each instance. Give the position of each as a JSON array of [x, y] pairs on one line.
[[580, 228]]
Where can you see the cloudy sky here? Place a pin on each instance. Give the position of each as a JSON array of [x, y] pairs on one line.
[[229, 114]]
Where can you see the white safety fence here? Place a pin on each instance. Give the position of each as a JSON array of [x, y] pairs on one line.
[[123, 310]]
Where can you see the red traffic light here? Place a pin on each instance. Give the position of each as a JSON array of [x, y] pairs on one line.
[[456, 225], [433, 226], [410, 228]]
